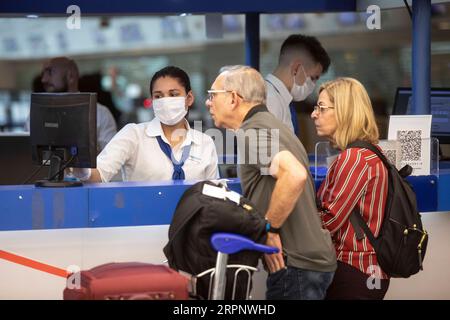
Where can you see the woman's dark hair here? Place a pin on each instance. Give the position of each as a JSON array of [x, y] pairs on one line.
[[173, 72]]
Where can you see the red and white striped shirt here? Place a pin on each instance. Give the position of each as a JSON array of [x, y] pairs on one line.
[[356, 179]]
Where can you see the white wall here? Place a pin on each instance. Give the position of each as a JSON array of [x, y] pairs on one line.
[[94, 246]]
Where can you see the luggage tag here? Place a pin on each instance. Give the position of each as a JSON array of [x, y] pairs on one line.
[[215, 192], [221, 182], [221, 193], [234, 196]]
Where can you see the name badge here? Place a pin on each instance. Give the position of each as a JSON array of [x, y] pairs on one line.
[[194, 158]]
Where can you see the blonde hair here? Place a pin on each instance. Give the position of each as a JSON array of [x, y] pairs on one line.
[[354, 114]]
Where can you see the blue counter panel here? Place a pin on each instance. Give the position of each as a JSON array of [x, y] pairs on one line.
[[30, 208], [92, 205], [133, 205], [444, 191], [425, 187]]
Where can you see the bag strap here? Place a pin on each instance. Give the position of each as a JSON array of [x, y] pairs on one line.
[[356, 220], [371, 147], [360, 227]]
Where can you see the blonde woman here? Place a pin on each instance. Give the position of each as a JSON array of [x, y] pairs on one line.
[[356, 180]]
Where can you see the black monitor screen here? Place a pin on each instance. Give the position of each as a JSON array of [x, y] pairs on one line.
[[440, 110], [15, 160], [63, 129]]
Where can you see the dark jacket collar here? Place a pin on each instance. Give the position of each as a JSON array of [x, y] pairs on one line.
[[255, 110]]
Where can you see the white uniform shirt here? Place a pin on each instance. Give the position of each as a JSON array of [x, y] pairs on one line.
[[135, 151], [106, 126], [278, 100]]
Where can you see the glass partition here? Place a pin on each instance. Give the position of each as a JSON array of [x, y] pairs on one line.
[[424, 160]]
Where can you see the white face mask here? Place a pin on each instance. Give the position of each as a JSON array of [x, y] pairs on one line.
[[170, 110], [301, 92]]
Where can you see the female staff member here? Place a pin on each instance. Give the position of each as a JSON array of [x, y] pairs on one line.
[[356, 180], [165, 148]]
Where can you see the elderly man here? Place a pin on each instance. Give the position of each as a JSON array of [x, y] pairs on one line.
[[61, 75], [273, 171]]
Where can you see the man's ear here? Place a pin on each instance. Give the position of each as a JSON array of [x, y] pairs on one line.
[[295, 66], [234, 100], [71, 78]]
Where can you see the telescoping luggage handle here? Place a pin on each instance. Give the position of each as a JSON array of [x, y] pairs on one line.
[[230, 243], [225, 244]]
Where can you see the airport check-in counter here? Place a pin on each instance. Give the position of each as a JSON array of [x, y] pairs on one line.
[[113, 222]]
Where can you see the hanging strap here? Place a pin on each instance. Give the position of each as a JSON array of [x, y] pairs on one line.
[[356, 220], [178, 172]]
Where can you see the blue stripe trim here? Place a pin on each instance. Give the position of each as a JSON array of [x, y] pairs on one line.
[[91, 206], [174, 6], [137, 203]]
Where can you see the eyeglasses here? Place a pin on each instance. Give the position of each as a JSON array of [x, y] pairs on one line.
[[321, 109], [212, 93]]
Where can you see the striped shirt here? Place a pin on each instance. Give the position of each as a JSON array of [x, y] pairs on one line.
[[356, 179]]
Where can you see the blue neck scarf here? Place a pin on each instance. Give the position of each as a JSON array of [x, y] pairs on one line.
[[178, 173]]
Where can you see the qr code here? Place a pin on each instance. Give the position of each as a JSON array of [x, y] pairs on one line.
[[391, 155], [411, 143]]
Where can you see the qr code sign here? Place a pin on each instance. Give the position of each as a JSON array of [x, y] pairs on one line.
[[391, 155], [411, 144]]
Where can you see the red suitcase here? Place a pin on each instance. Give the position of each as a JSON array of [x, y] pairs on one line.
[[129, 281]]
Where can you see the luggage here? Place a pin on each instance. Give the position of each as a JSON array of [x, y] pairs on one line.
[[130, 281], [402, 242], [198, 216], [204, 209]]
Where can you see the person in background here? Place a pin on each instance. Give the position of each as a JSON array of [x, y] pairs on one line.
[[61, 75], [280, 186], [92, 83], [165, 148], [356, 180], [301, 62], [36, 85]]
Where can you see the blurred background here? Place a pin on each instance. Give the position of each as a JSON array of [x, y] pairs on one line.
[[117, 55]]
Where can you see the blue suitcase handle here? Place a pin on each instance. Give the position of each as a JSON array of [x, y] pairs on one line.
[[230, 243]]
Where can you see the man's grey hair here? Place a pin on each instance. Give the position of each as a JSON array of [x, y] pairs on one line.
[[246, 81]]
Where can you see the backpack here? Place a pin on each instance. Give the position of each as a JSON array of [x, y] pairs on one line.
[[402, 242], [198, 215]]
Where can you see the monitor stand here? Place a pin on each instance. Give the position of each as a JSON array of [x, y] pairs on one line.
[[56, 176]]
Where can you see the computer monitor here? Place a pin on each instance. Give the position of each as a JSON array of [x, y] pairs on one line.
[[440, 109], [63, 133], [15, 160]]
